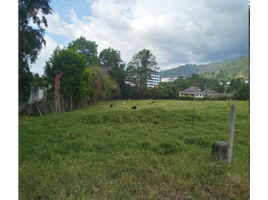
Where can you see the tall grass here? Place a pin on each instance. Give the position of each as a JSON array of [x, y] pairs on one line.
[[153, 152]]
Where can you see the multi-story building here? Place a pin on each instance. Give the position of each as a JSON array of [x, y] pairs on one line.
[[154, 81]]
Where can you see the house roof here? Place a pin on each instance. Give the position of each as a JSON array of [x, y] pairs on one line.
[[192, 90], [195, 90], [209, 91]]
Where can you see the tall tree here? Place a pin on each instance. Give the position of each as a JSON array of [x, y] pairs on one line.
[[87, 48], [30, 40], [141, 68], [111, 60]]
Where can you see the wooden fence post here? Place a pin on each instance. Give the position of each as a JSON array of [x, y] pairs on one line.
[[56, 109], [38, 110], [231, 134]]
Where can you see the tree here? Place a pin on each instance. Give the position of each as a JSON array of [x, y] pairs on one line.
[[87, 48], [76, 79], [195, 80], [111, 60], [242, 93], [235, 84], [39, 81], [30, 40], [105, 88], [140, 69]]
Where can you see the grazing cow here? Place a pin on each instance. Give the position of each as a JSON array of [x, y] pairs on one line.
[[180, 101], [134, 107], [112, 105], [151, 102]]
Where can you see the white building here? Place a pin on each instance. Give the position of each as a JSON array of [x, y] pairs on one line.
[[154, 81], [166, 80]]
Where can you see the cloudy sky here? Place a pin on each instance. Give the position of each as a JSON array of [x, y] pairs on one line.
[[176, 31]]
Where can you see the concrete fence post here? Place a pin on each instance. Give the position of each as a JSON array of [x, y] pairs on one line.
[[231, 134]]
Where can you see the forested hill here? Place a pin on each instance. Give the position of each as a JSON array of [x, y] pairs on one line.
[[184, 70], [225, 69]]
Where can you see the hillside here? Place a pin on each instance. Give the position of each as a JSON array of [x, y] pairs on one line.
[[225, 69], [184, 70], [153, 152]]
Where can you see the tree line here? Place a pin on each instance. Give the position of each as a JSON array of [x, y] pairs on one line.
[[103, 77], [97, 77]]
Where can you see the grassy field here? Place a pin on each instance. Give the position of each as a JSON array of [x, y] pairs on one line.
[[153, 152]]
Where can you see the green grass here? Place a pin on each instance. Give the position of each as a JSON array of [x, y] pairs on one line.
[[153, 152]]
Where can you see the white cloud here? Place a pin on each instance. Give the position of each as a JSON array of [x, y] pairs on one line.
[[44, 55], [59, 27]]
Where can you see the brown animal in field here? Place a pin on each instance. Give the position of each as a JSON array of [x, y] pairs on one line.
[[112, 105], [151, 102]]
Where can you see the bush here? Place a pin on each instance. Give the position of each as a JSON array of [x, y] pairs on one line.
[[190, 98], [208, 98], [223, 98]]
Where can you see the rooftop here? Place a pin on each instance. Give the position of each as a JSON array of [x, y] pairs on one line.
[[192, 90]]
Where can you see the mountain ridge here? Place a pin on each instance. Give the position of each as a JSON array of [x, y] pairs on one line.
[[225, 69]]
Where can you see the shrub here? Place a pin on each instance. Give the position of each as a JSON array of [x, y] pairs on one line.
[[190, 98]]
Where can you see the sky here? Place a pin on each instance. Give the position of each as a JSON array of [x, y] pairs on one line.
[[176, 31]]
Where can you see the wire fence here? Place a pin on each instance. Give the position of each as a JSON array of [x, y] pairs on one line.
[[45, 106]]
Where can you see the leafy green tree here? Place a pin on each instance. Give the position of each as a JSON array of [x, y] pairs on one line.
[[235, 84], [140, 69], [111, 60], [30, 40], [242, 93], [181, 84], [87, 48], [39, 81], [76, 80]]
